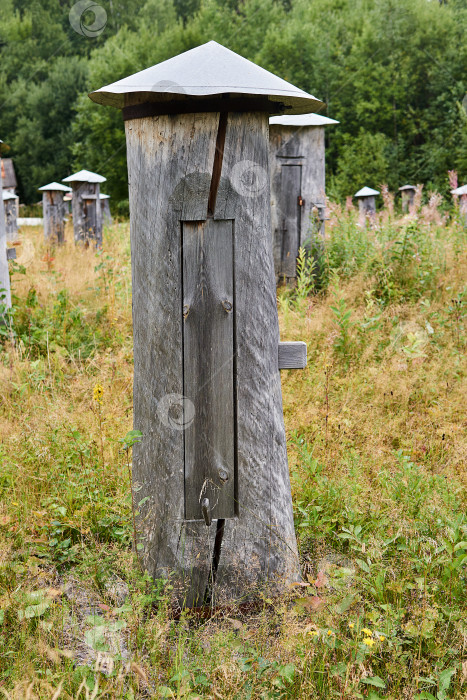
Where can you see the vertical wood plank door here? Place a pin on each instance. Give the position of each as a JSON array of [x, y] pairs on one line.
[[208, 314], [291, 182]]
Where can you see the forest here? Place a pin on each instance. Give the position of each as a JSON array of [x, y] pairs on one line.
[[392, 72]]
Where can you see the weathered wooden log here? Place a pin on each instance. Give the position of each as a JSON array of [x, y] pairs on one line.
[[86, 207], [5, 292], [366, 204], [105, 207], [407, 195], [10, 204], [461, 192], [210, 473], [297, 169], [54, 211]]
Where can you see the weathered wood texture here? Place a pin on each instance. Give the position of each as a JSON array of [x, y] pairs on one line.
[[170, 166], [463, 208], [208, 366], [5, 293], [367, 206], [106, 215], [407, 199], [54, 211], [297, 170], [292, 355], [87, 212], [11, 219]]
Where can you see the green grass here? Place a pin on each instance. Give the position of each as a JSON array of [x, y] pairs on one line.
[[377, 453]]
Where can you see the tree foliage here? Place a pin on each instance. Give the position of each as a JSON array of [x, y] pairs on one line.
[[391, 71]]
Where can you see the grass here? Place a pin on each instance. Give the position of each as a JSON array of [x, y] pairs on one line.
[[377, 453]]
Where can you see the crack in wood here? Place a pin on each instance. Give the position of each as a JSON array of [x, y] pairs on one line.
[[217, 165], [216, 555]]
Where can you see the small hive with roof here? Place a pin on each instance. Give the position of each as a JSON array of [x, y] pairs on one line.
[[211, 468], [298, 203], [461, 192], [86, 206], [367, 202], [10, 205], [5, 290], [408, 195], [54, 211]]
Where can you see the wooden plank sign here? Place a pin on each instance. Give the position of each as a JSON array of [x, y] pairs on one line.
[[211, 469]]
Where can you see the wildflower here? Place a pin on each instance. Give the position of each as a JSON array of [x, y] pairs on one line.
[[382, 637], [366, 631], [330, 632], [369, 642], [313, 633], [98, 393], [351, 625]]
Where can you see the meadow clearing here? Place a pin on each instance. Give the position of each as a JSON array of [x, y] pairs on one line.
[[376, 429]]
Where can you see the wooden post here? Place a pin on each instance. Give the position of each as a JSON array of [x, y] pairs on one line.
[[211, 473], [87, 213], [10, 204], [407, 194], [105, 207], [366, 204], [54, 211], [461, 192], [5, 291], [297, 168]]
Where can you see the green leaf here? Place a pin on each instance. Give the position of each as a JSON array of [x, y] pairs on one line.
[[33, 611], [346, 603], [376, 681], [363, 565]]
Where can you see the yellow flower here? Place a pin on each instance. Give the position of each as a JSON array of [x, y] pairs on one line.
[[369, 642], [366, 631], [382, 638], [98, 393], [351, 625], [330, 633], [313, 633]]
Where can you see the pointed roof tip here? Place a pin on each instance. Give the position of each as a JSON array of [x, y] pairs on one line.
[[209, 70], [407, 187], [460, 190], [104, 196], [84, 176], [54, 187], [302, 120], [366, 192]]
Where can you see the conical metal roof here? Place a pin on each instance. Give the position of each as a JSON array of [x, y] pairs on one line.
[[366, 192], [407, 187], [460, 190], [209, 70], [84, 176], [302, 120], [9, 195], [54, 187]]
